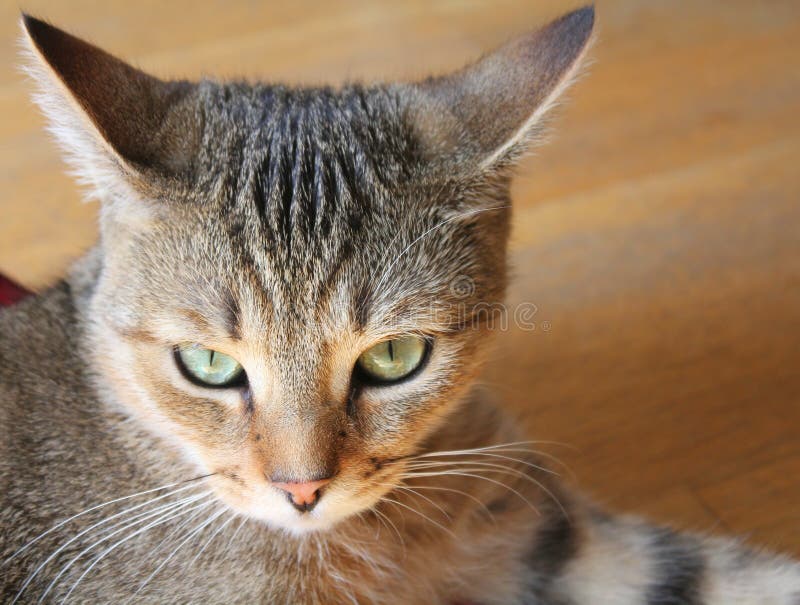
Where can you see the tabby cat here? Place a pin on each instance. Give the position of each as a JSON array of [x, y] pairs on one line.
[[259, 386]]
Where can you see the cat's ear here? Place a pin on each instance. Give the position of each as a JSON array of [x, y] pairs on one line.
[[115, 122], [485, 115]]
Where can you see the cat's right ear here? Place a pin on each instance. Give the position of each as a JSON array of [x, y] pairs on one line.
[[484, 116], [119, 126]]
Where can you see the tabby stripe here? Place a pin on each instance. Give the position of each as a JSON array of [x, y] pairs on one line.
[[679, 570], [556, 543]]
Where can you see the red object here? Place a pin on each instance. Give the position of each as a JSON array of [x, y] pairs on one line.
[[10, 292]]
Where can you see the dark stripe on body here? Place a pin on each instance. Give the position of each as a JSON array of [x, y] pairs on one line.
[[679, 569], [556, 543]]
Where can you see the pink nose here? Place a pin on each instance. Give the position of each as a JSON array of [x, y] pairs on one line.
[[303, 495]]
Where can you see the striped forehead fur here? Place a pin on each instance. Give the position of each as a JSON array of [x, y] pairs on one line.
[[302, 159], [306, 189]]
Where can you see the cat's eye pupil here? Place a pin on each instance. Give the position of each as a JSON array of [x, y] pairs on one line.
[[208, 367], [393, 360]]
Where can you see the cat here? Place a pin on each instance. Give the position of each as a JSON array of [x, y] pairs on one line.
[[260, 385]]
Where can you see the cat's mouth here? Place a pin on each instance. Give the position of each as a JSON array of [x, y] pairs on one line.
[[303, 507]]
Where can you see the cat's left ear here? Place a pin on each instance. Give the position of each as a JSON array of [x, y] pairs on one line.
[[116, 123], [484, 116]]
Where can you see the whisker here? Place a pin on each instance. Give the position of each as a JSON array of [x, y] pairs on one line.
[[509, 470], [478, 501], [394, 527], [176, 530], [480, 464], [194, 532], [411, 490], [161, 517], [93, 508], [399, 511], [139, 516], [504, 450], [235, 533], [497, 446], [502, 457], [364, 521], [469, 474], [424, 516], [211, 539]]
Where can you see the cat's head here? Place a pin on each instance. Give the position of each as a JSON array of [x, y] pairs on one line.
[[291, 279]]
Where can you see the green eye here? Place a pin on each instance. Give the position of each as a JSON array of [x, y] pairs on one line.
[[392, 360], [207, 367]]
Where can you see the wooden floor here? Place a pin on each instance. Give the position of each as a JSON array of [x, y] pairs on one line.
[[658, 234]]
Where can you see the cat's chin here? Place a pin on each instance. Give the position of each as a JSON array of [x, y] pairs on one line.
[[299, 524], [306, 524]]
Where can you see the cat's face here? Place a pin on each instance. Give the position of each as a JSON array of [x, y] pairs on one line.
[[364, 262], [293, 282]]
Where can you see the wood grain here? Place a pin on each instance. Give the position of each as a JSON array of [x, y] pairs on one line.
[[658, 234]]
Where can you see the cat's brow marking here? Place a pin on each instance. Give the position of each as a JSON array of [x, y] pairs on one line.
[[227, 321], [138, 334], [196, 318]]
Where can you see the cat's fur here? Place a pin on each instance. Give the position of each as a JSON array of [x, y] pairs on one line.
[[292, 229]]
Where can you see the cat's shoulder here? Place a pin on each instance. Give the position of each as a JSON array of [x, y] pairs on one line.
[[36, 335], [42, 373]]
